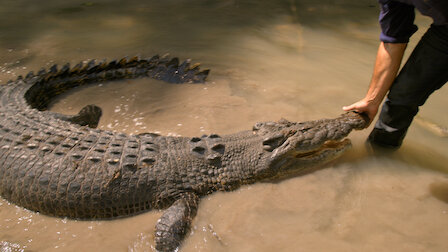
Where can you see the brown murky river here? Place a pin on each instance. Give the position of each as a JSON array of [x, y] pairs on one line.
[[297, 59]]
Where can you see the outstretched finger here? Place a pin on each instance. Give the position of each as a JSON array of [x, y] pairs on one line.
[[348, 108]]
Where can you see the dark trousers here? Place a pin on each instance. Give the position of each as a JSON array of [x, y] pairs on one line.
[[425, 71]]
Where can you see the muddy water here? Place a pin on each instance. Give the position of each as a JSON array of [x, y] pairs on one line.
[[295, 59]]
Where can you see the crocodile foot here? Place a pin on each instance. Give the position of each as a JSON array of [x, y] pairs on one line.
[[174, 224]]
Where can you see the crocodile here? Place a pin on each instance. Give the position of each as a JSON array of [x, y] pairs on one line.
[[62, 166]]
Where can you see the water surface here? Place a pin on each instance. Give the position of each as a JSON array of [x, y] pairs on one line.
[[296, 59]]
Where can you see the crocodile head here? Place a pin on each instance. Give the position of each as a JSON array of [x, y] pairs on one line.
[[292, 148]]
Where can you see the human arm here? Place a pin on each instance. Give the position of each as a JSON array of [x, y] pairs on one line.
[[397, 26], [387, 64]]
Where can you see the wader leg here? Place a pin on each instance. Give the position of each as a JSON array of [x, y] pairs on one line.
[[425, 71]]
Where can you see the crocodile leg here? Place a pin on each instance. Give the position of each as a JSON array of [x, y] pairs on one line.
[[89, 115], [174, 224]]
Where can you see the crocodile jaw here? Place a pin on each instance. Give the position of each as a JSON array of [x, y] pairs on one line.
[[329, 150], [296, 163]]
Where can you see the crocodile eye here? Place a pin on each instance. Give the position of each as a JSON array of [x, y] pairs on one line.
[[273, 141]]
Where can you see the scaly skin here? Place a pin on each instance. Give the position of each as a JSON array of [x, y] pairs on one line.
[[50, 163]]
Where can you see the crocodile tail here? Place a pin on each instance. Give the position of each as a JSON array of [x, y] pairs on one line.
[[49, 83]]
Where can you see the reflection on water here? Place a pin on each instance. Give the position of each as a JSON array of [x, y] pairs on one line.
[[296, 59]]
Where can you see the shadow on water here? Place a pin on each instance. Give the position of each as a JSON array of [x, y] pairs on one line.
[[440, 191], [411, 154], [23, 21]]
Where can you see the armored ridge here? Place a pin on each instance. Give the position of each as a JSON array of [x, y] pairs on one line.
[[51, 163]]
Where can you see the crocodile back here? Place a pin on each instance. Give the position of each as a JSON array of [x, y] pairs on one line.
[[63, 169]]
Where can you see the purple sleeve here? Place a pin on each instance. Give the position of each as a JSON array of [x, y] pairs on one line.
[[397, 21]]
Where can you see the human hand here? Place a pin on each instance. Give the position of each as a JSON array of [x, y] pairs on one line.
[[364, 106]]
